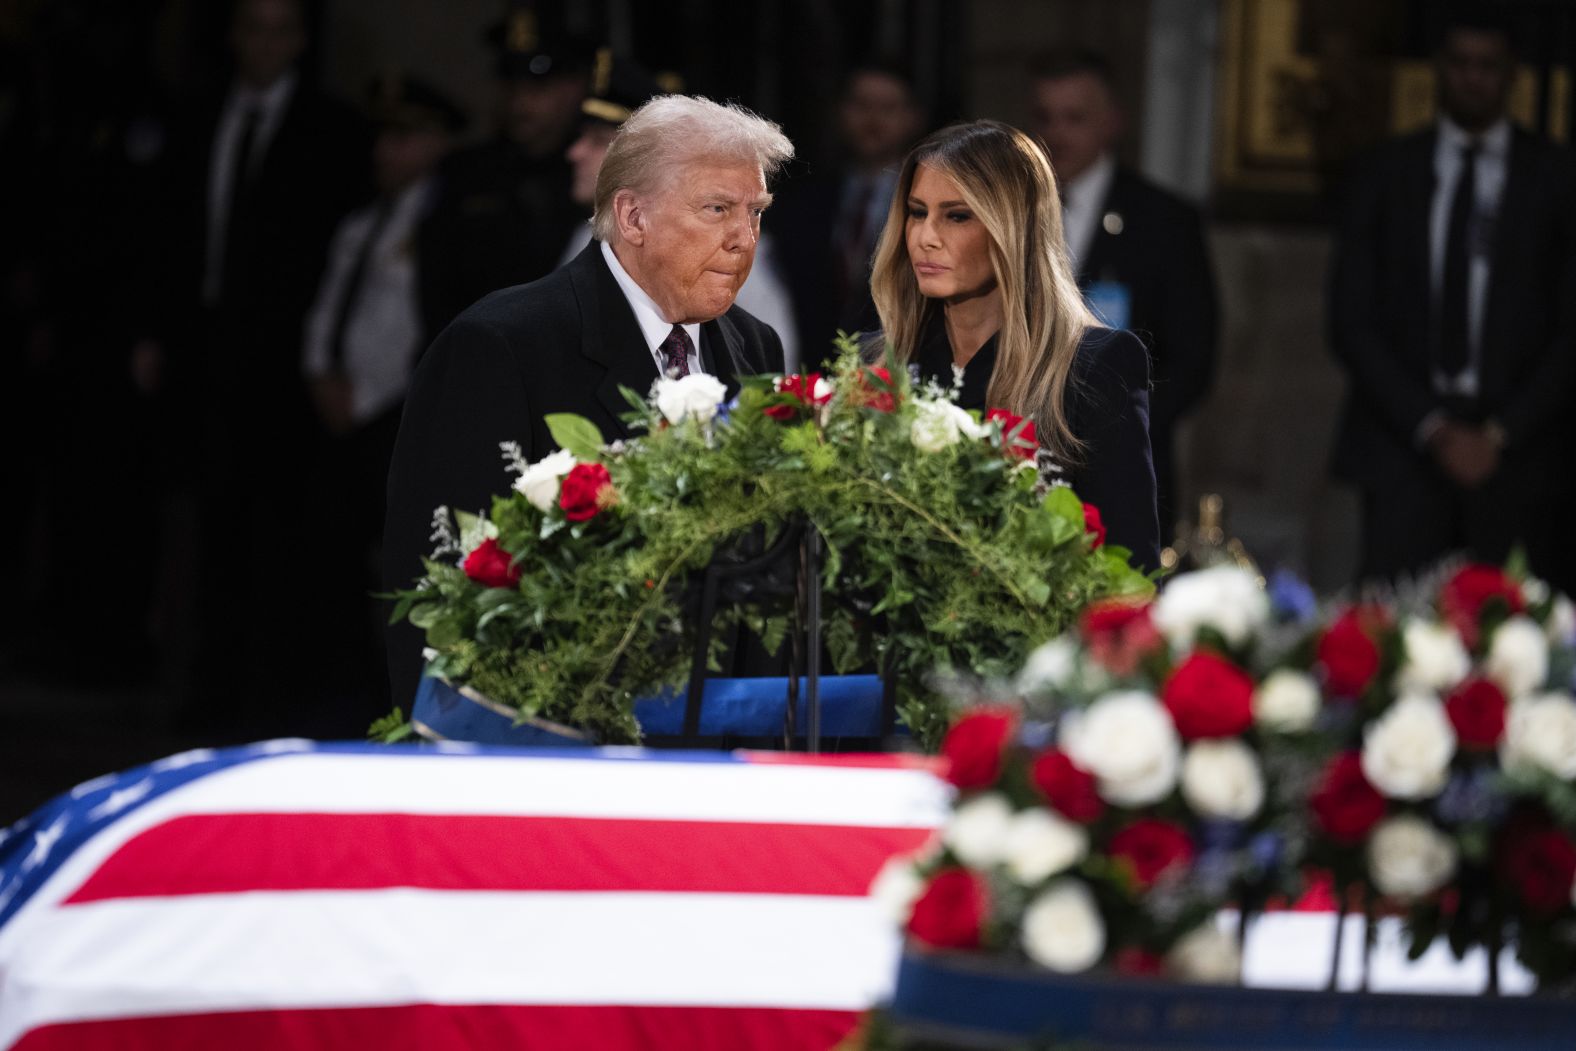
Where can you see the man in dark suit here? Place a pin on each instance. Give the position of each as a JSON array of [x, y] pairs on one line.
[[827, 224], [256, 190], [1451, 308], [503, 211], [677, 215], [1138, 249]]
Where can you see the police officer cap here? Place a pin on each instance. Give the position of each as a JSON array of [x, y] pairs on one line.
[[530, 45], [618, 88], [399, 100]]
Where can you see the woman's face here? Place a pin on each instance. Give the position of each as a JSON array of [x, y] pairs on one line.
[[947, 244]]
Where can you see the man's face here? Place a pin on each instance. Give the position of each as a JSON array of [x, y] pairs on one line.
[[585, 160], [697, 238], [879, 118], [540, 112], [267, 37], [1077, 120], [401, 156], [1475, 71]]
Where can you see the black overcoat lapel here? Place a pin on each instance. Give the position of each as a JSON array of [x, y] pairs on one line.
[[610, 335], [1415, 233]]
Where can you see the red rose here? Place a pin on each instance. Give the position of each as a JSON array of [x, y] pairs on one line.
[[950, 912], [1464, 596], [802, 390], [1477, 711], [976, 745], [1094, 525], [1151, 847], [492, 566], [1026, 443], [1119, 634], [1345, 805], [1540, 862], [1136, 962], [584, 492], [1066, 786], [878, 396], [1208, 696], [1348, 653]]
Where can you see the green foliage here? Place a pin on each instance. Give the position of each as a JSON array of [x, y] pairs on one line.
[[953, 559], [576, 434], [391, 729]]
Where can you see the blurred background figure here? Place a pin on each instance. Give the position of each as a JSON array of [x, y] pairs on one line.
[[362, 338], [827, 223], [1453, 312], [618, 87], [1138, 250], [266, 172], [503, 211]]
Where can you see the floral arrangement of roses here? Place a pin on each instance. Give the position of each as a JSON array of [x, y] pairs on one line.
[[1138, 788], [1451, 795], [944, 549]]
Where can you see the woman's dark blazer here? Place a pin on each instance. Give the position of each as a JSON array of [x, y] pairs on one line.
[[1107, 405]]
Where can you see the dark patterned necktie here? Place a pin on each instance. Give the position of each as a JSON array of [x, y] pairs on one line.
[[676, 352]]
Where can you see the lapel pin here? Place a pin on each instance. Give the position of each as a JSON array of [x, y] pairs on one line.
[[1112, 221]]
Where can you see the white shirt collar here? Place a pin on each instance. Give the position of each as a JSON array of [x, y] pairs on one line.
[[647, 313], [1495, 142], [271, 100], [1091, 186]]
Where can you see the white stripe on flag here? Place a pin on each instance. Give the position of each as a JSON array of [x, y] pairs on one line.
[[157, 956]]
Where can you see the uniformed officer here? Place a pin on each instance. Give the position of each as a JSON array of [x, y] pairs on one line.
[[503, 212], [362, 337]]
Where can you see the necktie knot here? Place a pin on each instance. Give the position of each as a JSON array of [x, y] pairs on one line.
[[676, 352]]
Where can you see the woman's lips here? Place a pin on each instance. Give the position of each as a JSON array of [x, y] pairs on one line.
[[930, 269]]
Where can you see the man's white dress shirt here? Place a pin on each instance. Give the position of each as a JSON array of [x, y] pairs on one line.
[[270, 104], [1492, 158], [650, 317], [383, 329], [1083, 207]]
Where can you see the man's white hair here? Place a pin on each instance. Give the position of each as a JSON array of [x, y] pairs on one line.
[[671, 131]]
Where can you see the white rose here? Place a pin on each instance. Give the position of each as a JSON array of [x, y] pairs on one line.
[[978, 830], [1128, 741], [1518, 656], [1435, 659], [1561, 625], [1062, 928], [1408, 857], [1221, 779], [1540, 731], [1041, 843], [1287, 701], [539, 482], [1050, 666], [696, 396], [938, 424], [1206, 955], [1407, 750], [1225, 598], [896, 887]]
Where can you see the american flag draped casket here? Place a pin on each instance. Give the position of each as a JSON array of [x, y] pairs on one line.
[[301, 895]]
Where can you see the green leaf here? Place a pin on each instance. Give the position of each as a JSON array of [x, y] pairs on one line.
[[576, 434], [1062, 501], [391, 728]]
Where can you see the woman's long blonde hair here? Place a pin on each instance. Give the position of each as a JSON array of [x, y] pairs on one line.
[[1006, 180]]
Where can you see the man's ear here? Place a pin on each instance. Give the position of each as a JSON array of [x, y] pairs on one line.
[[629, 217]]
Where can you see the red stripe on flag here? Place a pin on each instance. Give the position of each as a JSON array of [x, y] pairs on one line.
[[424, 1027], [234, 853]]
